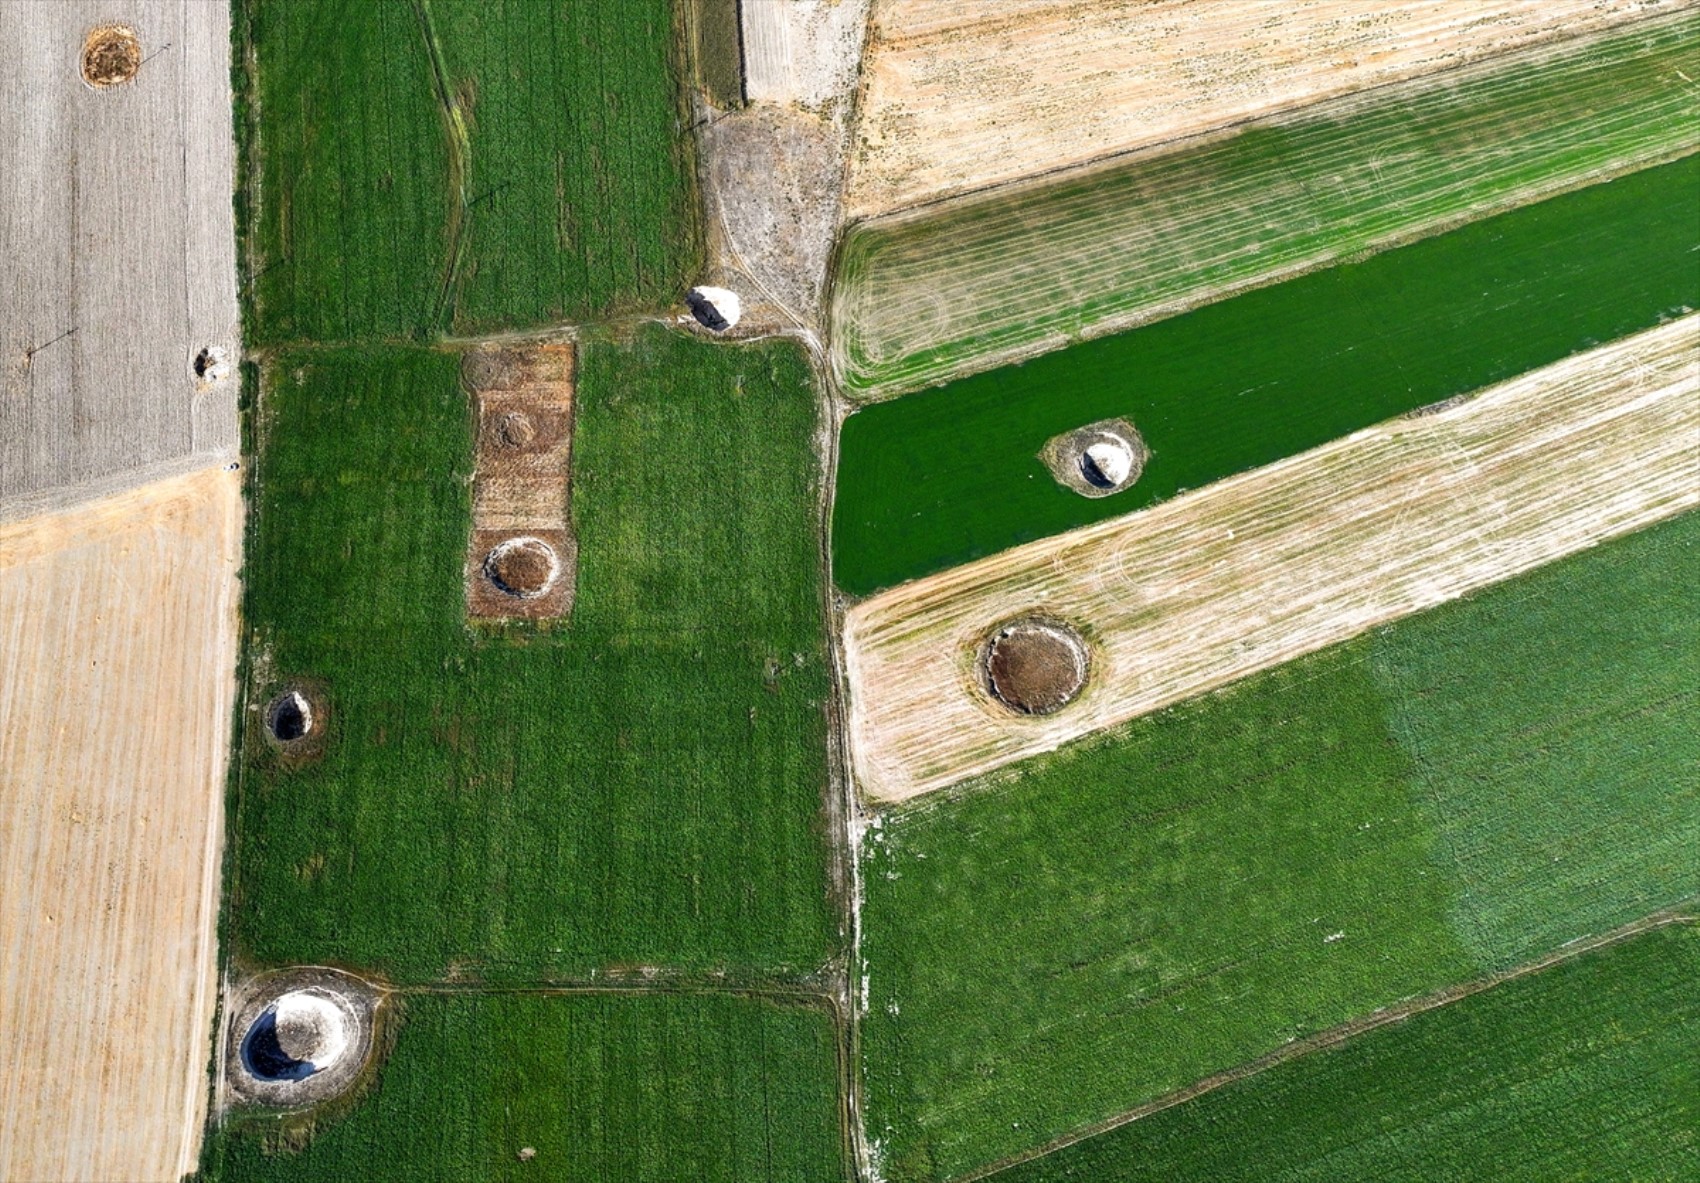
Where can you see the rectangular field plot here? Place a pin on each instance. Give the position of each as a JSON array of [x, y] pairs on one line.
[[434, 167], [1582, 1071], [949, 475], [945, 290], [595, 1087], [1264, 567], [640, 786], [1090, 930], [959, 97]]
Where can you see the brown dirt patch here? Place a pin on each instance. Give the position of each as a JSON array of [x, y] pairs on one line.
[[521, 558], [1035, 667], [111, 55]]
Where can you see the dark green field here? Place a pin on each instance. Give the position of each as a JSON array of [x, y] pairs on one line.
[[435, 167], [642, 786], [1589, 1070], [1450, 795], [944, 476], [634, 1088]]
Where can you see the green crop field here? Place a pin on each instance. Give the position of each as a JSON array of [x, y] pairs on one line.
[[1583, 1071], [427, 167], [948, 475], [925, 297], [639, 786], [635, 1088], [1448, 796]]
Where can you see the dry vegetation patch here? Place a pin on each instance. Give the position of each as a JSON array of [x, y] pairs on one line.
[[111, 54], [1261, 568], [117, 677], [961, 97]]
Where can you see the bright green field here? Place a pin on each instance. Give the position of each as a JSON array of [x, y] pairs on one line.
[[924, 297], [652, 1088], [640, 786], [562, 192], [1450, 795], [1586, 1071], [938, 478]]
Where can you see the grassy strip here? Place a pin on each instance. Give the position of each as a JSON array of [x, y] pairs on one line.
[[651, 1087], [926, 297], [939, 478], [719, 51], [1102, 926], [574, 198], [1582, 1071], [640, 786]]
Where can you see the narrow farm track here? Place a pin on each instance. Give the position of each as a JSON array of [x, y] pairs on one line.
[[954, 100], [1335, 1036], [1261, 568]]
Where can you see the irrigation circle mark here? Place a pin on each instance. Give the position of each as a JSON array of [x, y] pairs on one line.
[[523, 567], [1034, 667], [111, 55]]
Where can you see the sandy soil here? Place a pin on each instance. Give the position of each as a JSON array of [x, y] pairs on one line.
[[521, 481], [954, 99], [119, 245], [801, 51], [1264, 567], [118, 638]]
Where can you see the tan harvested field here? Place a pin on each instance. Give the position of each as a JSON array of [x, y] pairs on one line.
[[1261, 568], [117, 678], [959, 97]]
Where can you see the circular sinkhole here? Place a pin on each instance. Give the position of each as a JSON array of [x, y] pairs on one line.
[[290, 717], [302, 1033], [512, 430], [112, 54], [523, 568], [211, 364], [1034, 667], [1107, 463]]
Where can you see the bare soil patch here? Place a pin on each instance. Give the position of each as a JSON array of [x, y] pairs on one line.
[[521, 559], [111, 54], [1035, 667], [1258, 569], [959, 97]]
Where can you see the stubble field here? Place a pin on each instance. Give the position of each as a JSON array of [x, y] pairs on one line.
[[957, 98], [945, 290]]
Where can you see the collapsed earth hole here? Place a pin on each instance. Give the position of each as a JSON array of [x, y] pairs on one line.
[[111, 55], [714, 308], [523, 568], [300, 1036], [290, 717], [512, 430], [211, 364], [1034, 667], [1097, 460]]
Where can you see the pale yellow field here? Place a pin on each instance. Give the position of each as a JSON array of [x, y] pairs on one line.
[[1264, 567], [958, 97], [117, 676]]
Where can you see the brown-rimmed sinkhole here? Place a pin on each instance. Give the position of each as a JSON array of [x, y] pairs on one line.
[[523, 568], [111, 55], [1034, 667], [1097, 460]]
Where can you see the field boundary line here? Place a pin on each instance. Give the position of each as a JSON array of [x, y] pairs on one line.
[[1334, 1037], [1250, 572]]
